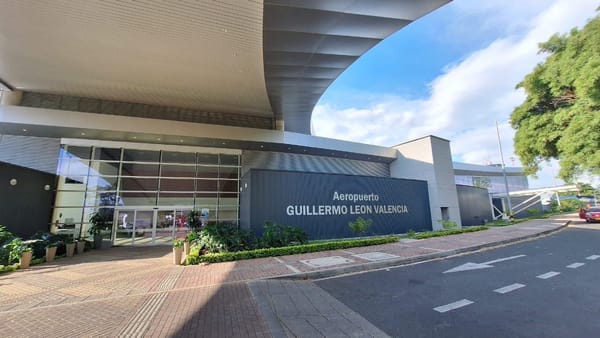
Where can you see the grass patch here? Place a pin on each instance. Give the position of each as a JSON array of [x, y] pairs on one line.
[[194, 257]]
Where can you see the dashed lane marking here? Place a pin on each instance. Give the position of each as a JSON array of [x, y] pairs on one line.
[[548, 275], [593, 257], [509, 288], [575, 265], [453, 306]]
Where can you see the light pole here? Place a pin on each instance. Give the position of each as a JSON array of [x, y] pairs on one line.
[[504, 170]]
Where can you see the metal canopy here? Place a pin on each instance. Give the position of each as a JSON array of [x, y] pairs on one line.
[[308, 44], [270, 60]]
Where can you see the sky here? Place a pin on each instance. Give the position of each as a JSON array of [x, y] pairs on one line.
[[453, 74]]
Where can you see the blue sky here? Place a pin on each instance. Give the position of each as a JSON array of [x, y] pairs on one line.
[[451, 74]]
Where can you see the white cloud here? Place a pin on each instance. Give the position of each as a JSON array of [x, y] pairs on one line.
[[468, 97]]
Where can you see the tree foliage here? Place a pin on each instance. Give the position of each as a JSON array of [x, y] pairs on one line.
[[560, 117]]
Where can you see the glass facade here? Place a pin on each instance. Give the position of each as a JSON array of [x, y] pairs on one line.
[[494, 184], [161, 187]]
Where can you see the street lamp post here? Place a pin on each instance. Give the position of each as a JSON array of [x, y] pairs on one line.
[[504, 170]]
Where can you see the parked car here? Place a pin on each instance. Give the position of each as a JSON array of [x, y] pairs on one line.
[[592, 215]]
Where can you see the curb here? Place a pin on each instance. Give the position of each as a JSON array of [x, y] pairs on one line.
[[319, 274]]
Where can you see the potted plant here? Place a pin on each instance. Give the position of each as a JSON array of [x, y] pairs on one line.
[[190, 238], [21, 252], [80, 245], [177, 251], [70, 246], [50, 251], [99, 222]]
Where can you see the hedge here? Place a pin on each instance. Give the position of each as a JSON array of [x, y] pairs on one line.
[[429, 234], [194, 257]]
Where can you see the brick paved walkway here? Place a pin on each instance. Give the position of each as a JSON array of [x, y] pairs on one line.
[[135, 292]]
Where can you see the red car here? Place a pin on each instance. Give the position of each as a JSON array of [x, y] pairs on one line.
[[592, 215]]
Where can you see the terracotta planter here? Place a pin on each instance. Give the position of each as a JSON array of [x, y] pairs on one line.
[[25, 260], [186, 247], [177, 253], [80, 247], [70, 249], [50, 253]]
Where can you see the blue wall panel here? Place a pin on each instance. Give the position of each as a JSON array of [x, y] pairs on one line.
[[324, 204]]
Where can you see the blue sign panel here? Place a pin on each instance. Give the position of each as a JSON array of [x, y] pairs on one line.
[[324, 204]]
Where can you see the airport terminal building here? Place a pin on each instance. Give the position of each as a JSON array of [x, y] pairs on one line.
[[205, 108]]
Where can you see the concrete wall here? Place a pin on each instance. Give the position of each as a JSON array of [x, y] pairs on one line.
[[429, 159]]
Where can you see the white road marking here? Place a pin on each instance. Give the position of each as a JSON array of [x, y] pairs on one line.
[[575, 265], [475, 266], [509, 288], [453, 306], [549, 275], [292, 268], [593, 257], [287, 265], [503, 259]]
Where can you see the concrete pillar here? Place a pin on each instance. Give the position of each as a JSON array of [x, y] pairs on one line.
[[429, 159], [11, 97], [279, 124]]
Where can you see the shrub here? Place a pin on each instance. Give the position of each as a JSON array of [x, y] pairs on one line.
[[225, 237], [5, 238], [277, 235], [192, 236], [447, 224], [360, 226], [194, 257], [429, 234], [16, 247]]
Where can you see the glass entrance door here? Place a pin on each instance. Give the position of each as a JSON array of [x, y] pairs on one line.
[[149, 227]]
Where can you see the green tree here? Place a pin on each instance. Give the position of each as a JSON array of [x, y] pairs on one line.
[[560, 117]]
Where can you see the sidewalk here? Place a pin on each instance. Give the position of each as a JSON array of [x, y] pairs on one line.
[[135, 292]]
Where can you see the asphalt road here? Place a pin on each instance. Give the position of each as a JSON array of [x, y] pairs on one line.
[[549, 287]]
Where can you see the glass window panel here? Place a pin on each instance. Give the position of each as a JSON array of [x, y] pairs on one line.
[[208, 171], [102, 198], [206, 185], [207, 211], [73, 167], [107, 199], [137, 169], [136, 155], [69, 198], [229, 186], [139, 184], [172, 198], [104, 168], [79, 152], [167, 184], [138, 198], [74, 180], [178, 157], [107, 154], [66, 215], [229, 172], [230, 159], [102, 183], [170, 170], [208, 159], [228, 213], [228, 200], [205, 200]]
